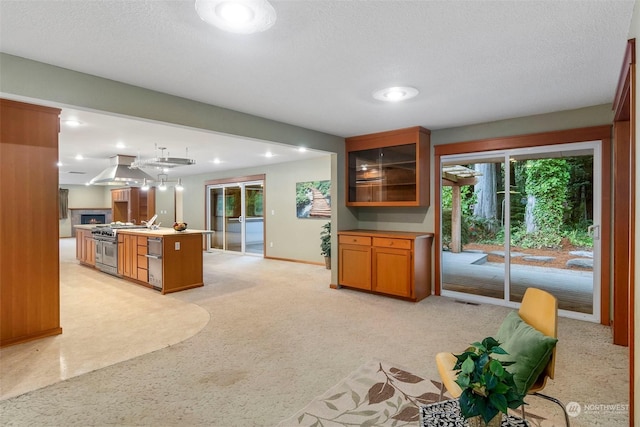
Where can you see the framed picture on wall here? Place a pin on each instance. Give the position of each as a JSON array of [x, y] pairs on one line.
[[313, 199]]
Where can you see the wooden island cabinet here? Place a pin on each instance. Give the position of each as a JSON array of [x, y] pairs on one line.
[[176, 268], [386, 262], [85, 246]]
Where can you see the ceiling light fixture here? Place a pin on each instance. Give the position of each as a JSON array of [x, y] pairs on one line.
[[179, 186], [72, 123], [162, 162], [268, 154], [237, 16], [145, 185], [79, 157], [395, 94]]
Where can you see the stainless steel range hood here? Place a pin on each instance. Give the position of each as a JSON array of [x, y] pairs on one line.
[[119, 173]]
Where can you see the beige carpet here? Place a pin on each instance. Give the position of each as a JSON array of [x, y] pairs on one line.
[[278, 337]]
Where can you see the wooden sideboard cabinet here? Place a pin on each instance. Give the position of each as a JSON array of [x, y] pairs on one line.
[[386, 262], [388, 168]]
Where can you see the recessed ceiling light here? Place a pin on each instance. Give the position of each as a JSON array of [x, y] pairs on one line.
[[72, 123], [237, 16], [302, 149], [216, 161], [59, 164], [395, 94], [268, 154], [79, 157], [120, 145]]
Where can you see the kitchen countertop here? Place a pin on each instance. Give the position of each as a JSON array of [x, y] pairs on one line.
[[162, 231]]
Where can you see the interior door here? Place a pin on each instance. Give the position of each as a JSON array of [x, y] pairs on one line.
[[236, 215]]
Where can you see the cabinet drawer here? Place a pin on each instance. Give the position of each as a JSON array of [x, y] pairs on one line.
[[391, 243], [142, 241], [354, 240], [142, 250], [143, 275], [142, 262]]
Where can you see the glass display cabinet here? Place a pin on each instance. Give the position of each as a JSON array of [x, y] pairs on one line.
[[388, 168]]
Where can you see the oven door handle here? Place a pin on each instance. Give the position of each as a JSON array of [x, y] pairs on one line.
[[154, 256]]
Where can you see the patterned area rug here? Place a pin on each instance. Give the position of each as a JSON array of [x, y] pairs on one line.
[[376, 394]]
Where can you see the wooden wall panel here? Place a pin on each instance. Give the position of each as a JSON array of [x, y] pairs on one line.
[[29, 251]]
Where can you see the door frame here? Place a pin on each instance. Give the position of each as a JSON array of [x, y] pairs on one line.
[[594, 133], [239, 180], [505, 156]]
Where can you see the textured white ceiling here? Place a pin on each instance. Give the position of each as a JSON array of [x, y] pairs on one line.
[[473, 61]]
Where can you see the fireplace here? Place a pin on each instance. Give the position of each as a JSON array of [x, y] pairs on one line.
[[92, 218], [89, 216]]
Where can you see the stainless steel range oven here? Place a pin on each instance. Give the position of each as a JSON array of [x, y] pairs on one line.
[[106, 238], [106, 250]]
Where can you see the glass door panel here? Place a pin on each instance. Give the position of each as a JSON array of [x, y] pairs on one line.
[[472, 237], [552, 208], [253, 218], [233, 218], [216, 217]]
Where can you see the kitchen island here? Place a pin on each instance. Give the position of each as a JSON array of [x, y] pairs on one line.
[[162, 259]]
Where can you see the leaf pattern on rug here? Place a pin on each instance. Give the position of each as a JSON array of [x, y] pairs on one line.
[[377, 394]]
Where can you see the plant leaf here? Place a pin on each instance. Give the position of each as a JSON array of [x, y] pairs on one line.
[[467, 366], [371, 422]]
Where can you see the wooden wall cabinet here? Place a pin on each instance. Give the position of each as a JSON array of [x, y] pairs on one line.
[[386, 262], [132, 204], [85, 247], [388, 168], [29, 248]]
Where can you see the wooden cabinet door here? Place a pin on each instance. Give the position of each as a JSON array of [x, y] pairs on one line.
[[392, 272], [88, 249], [355, 266], [121, 255]]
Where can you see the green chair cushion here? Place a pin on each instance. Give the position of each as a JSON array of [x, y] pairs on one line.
[[527, 347], [508, 326]]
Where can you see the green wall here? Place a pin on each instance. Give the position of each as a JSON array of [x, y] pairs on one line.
[[293, 238], [36, 82]]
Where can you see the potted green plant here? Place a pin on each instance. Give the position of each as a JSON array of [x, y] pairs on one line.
[[325, 244], [488, 389]]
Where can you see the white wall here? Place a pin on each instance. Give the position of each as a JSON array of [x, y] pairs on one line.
[[84, 197]]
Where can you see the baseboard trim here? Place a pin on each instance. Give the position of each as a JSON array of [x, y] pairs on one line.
[[294, 260]]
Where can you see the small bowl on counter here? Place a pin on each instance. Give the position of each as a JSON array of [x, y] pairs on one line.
[[180, 226]]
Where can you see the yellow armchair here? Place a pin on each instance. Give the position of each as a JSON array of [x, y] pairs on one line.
[[539, 309]]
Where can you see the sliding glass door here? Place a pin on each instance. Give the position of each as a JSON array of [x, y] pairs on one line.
[[235, 214], [523, 218]]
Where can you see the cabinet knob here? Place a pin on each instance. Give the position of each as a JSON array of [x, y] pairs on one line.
[[355, 240]]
